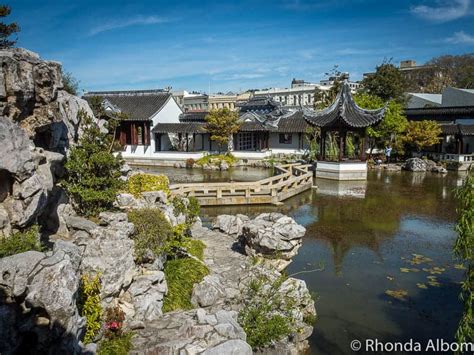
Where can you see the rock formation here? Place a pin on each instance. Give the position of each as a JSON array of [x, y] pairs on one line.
[[422, 165]]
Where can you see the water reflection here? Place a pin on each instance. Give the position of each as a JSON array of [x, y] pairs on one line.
[[365, 235]]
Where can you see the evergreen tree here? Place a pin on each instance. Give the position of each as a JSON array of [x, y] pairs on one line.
[[92, 179], [6, 30], [70, 83]]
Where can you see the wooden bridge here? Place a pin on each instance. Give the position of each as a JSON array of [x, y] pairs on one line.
[[290, 180]]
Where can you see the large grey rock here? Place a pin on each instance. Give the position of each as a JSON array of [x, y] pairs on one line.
[[273, 236], [146, 295], [230, 224], [41, 291], [418, 165], [75, 223], [208, 291], [230, 347], [16, 150], [108, 251]]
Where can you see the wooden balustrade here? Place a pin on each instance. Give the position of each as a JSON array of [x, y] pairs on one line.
[[290, 179]]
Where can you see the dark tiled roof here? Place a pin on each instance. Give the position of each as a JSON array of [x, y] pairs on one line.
[[182, 127], [289, 123], [138, 105], [462, 129], [466, 129], [193, 116], [261, 104], [440, 113], [344, 112]]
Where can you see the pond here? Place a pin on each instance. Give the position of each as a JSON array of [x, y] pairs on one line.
[[241, 173], [389, 236]]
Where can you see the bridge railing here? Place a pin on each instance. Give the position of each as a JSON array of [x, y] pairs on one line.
[[288, 177]]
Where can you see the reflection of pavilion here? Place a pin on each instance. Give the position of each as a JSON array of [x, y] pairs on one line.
[[356, 188], [343, 136]]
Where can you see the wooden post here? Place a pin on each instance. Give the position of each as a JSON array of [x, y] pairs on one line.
[[341, 145], [364, 148], [187, 142], [194, 142]]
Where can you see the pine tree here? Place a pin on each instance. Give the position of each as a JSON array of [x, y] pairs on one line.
[[92, 179], [6, 30]]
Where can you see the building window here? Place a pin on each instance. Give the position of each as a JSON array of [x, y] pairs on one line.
[[285, 138], [246, 141]]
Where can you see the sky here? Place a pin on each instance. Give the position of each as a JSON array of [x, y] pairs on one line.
[[221, 46]]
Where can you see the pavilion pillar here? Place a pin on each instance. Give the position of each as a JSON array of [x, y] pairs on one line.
[[179, 140], [194, 142], [147, 134], [202, 141], [187, 142], [134, 134], [342, 138], [323, 145], [363, 147]]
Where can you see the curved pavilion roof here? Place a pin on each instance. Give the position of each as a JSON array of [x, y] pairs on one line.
[[344, 113]]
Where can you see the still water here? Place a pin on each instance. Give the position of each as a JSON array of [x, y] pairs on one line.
[[391, 233]]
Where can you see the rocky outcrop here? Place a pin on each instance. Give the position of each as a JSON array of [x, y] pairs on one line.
[[230, 224], [39, 293], [31, 94], [192, 332], [422, 165], [273, 236]]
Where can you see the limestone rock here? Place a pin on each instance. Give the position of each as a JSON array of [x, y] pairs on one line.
[[230, 347], [208, 291], [230, 224], [273, 236]]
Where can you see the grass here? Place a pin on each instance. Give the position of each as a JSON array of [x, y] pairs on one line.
[[181, 275], [20, 242], [119, 345]]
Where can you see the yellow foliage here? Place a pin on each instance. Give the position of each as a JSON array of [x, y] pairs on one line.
[[139, 183], [422, 134], [89, 306]]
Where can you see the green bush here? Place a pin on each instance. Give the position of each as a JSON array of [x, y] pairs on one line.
[[89, 305], [181, 275], [20, 242], [139, 183], [152, 232], [191, 210], [118, 345], [216, 159], [92, 171], [266, 316]]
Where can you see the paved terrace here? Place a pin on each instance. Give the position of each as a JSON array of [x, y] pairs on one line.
[[290, 180]]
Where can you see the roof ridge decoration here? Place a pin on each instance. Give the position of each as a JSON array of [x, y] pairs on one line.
[[344, 112]]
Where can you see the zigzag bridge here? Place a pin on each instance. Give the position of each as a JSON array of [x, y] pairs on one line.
[[290, 180]]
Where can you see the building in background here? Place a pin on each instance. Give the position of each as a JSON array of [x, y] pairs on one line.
[[219, 101]]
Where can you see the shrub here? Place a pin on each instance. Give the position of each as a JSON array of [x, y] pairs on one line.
[[181, 275], [89, 305], [216, 159], [118, 345], [92, 171], [152, 231], [139, 183], [114, 318], [266, 316], [20, 242], [190, 209]]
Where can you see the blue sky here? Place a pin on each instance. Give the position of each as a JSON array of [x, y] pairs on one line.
[[236, 45]]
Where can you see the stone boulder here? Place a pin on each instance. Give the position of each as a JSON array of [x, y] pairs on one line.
[[145, 296], [208, 292], [32, 93], [39, 295], [230, 224], [273, 236]]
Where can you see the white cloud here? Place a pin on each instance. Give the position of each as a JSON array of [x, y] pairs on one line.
[[444, 11], [460, 37], [118, 23]]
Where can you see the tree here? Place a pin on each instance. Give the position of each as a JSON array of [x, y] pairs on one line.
[[70, 83], [452, 70], [387, 83], [390, 131], [92, 171], [222, 124], [422, 134], [324, 98], [464, 251], [7, 30]]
